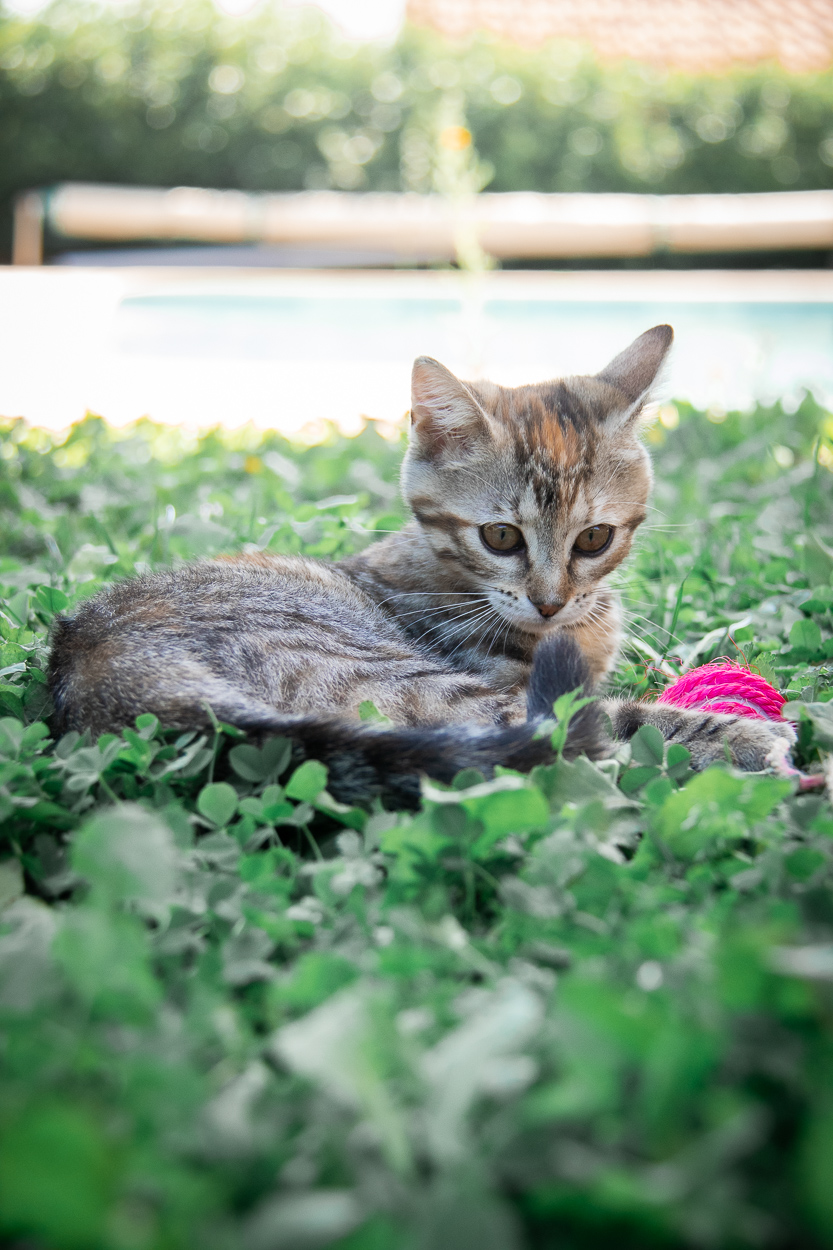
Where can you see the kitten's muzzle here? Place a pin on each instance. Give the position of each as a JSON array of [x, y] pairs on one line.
[[546, 609]]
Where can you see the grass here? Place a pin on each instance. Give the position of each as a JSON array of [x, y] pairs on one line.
[[584, 1008]]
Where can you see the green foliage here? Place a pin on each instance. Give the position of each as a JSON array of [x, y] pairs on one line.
[[564, 709], [165, 94], [586, 1007], [307, 782]]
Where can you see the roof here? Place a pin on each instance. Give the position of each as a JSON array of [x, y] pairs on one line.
[[686, 34]]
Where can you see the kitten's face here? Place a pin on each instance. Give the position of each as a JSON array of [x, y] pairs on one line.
[[532, 495]]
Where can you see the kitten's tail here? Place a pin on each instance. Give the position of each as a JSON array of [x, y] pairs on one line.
[[367, 760]]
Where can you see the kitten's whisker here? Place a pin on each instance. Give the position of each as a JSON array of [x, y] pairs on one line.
[[677, 525], [436, 627], [426, 594], [475, 615], [492, 642], [501, 638], [671, 637], [592, 618], [639, 630], [639, 503], [476, 619], [470, 617], [490, 634], [449, 655], [441, 607], [365, 529], [640, 603], [473, 625], [594, 613], [634, 636], [461, 607]]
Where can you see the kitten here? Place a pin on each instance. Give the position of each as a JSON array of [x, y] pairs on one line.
[[462, 628]]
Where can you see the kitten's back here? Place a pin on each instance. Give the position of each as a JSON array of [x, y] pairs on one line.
[[287, 646]]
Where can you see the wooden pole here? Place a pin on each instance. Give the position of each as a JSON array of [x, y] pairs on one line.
[[27, 239]]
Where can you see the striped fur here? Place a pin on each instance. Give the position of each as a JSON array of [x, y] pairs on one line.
[[442, 634]]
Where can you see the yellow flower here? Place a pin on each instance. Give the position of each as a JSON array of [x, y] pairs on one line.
[[455, 138]]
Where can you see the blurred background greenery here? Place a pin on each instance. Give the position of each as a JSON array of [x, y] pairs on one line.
[[164, 93]]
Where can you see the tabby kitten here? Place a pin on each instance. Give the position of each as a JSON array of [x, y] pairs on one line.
[[462, 628]]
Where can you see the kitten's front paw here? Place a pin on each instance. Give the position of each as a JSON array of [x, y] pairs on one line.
[[753, 744]]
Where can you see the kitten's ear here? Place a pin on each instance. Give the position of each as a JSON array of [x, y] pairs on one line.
[[445, 416], [634, 370]]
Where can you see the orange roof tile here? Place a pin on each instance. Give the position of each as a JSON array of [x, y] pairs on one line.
[[687, 34]]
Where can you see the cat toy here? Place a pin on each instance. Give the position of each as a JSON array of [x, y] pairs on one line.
[[726, 687], [729, 687]]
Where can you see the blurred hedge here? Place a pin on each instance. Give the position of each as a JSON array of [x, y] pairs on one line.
[[170, 94]]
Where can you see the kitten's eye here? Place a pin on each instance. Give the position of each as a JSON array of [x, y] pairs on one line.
[[593, 540], [503, 538]]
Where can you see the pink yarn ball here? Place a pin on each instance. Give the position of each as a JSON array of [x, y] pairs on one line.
[[726, 687]]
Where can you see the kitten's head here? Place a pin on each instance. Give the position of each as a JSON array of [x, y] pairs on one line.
[[532, 494]]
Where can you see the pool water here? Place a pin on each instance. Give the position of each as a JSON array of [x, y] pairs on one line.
[[288, 349], [726, 354]]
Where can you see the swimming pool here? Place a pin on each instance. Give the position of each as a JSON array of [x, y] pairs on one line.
[[286, 349]]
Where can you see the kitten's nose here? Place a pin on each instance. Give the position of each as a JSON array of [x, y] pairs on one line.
[[547, 609]]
